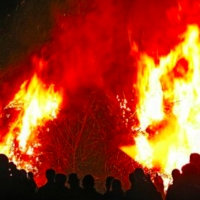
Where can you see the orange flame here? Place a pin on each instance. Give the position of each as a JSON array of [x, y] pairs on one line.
[[169, 105], [36, 104]]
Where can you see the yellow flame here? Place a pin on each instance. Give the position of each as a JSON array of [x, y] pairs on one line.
[[36, 104], [169, 95]]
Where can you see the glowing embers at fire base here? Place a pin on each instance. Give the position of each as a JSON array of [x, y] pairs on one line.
[[35, 104], [169, 106]]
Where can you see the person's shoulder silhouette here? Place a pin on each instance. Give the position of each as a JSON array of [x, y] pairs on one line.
[[75, 191], [89, 191], [144, 187], [62, 192], [5, 187], [130, 192], [47, 191], [108, 185], [116, 192]]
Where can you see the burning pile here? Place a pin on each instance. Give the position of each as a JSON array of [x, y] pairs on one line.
[[169, 106], [35, 103]]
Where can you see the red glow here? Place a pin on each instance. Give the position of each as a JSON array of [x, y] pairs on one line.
[[95, 46]]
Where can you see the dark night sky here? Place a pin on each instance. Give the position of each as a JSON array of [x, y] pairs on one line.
[[23, 25], [7, 10], [26, 25], [8, 6]]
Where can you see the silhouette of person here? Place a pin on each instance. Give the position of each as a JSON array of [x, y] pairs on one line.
[[17, 183], [32, 181], [89, 192], [32, 186], [109, 180], [26, 187], [172, 189], [47, 191], [195, 159], [116, 192], [5, 187], [190, 188], [10, 189], [62, 192], [130, 192], [158, 181], [185, 188], [176, 175], [75, 191], [144, 187]]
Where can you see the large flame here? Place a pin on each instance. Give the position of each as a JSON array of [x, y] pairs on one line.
[[169, 106], [36, 103]]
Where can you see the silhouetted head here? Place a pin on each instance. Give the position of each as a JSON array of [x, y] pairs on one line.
[[4, 162], [73, 179], [109, 180], [195, 159], [4, 167], [189, 170], [13, 171], [12, 166], [139, 174], [131, 178], [50, 175], [30, 175], [176, 174], [88, 181], [23, 173], [116, 185], [60, 179]]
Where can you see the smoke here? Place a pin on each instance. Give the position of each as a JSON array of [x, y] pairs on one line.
[[93, 43], [88, 43], [91, 46]]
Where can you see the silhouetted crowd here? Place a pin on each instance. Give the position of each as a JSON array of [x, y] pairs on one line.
[[17, 184]]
